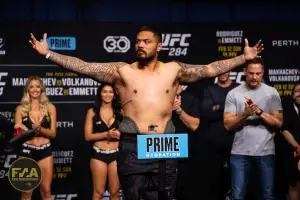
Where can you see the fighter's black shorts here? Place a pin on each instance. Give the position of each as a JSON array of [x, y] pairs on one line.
[[106, 156], [139, 177], [36, 153]]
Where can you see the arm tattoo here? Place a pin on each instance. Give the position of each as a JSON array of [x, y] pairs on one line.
[[223, 66], [102, 72], [191, 73]]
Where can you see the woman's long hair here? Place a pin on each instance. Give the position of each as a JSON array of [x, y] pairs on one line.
[[26, 100], [116, 104]]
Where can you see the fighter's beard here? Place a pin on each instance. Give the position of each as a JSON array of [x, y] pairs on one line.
[[145, 61]]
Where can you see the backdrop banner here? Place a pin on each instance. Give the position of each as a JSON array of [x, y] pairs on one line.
[[74, 94]]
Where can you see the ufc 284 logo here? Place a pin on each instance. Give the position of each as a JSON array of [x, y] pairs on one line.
[[235, 76], [64, 196], [2, 83], [176, 43], [116, 44], [5, 163]]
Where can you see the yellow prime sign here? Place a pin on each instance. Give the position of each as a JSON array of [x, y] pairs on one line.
[[24, 174]]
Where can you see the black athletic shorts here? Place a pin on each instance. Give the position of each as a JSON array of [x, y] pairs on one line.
[[106, 156], [36, 153], [140, 177]]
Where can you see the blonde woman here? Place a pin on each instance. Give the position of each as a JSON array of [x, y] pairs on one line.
[[36, 111]]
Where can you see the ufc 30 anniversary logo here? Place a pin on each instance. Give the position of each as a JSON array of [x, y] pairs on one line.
[[24, 174], [116, 44]]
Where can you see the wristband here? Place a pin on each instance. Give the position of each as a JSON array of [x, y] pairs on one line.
[[261, 112], [48, 55]]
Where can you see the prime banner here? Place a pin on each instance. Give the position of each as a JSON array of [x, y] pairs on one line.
[[73, 94]]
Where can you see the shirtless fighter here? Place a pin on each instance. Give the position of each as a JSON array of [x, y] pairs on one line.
[[147, 89]]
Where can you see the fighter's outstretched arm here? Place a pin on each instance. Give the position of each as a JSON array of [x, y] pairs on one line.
[[191, 73], [102, 72]]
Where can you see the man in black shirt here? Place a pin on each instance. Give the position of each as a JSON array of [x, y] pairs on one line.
[[186, 118], [291, 132], [219, 141]]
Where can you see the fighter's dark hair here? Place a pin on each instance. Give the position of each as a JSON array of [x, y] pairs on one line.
[[156, 33]]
